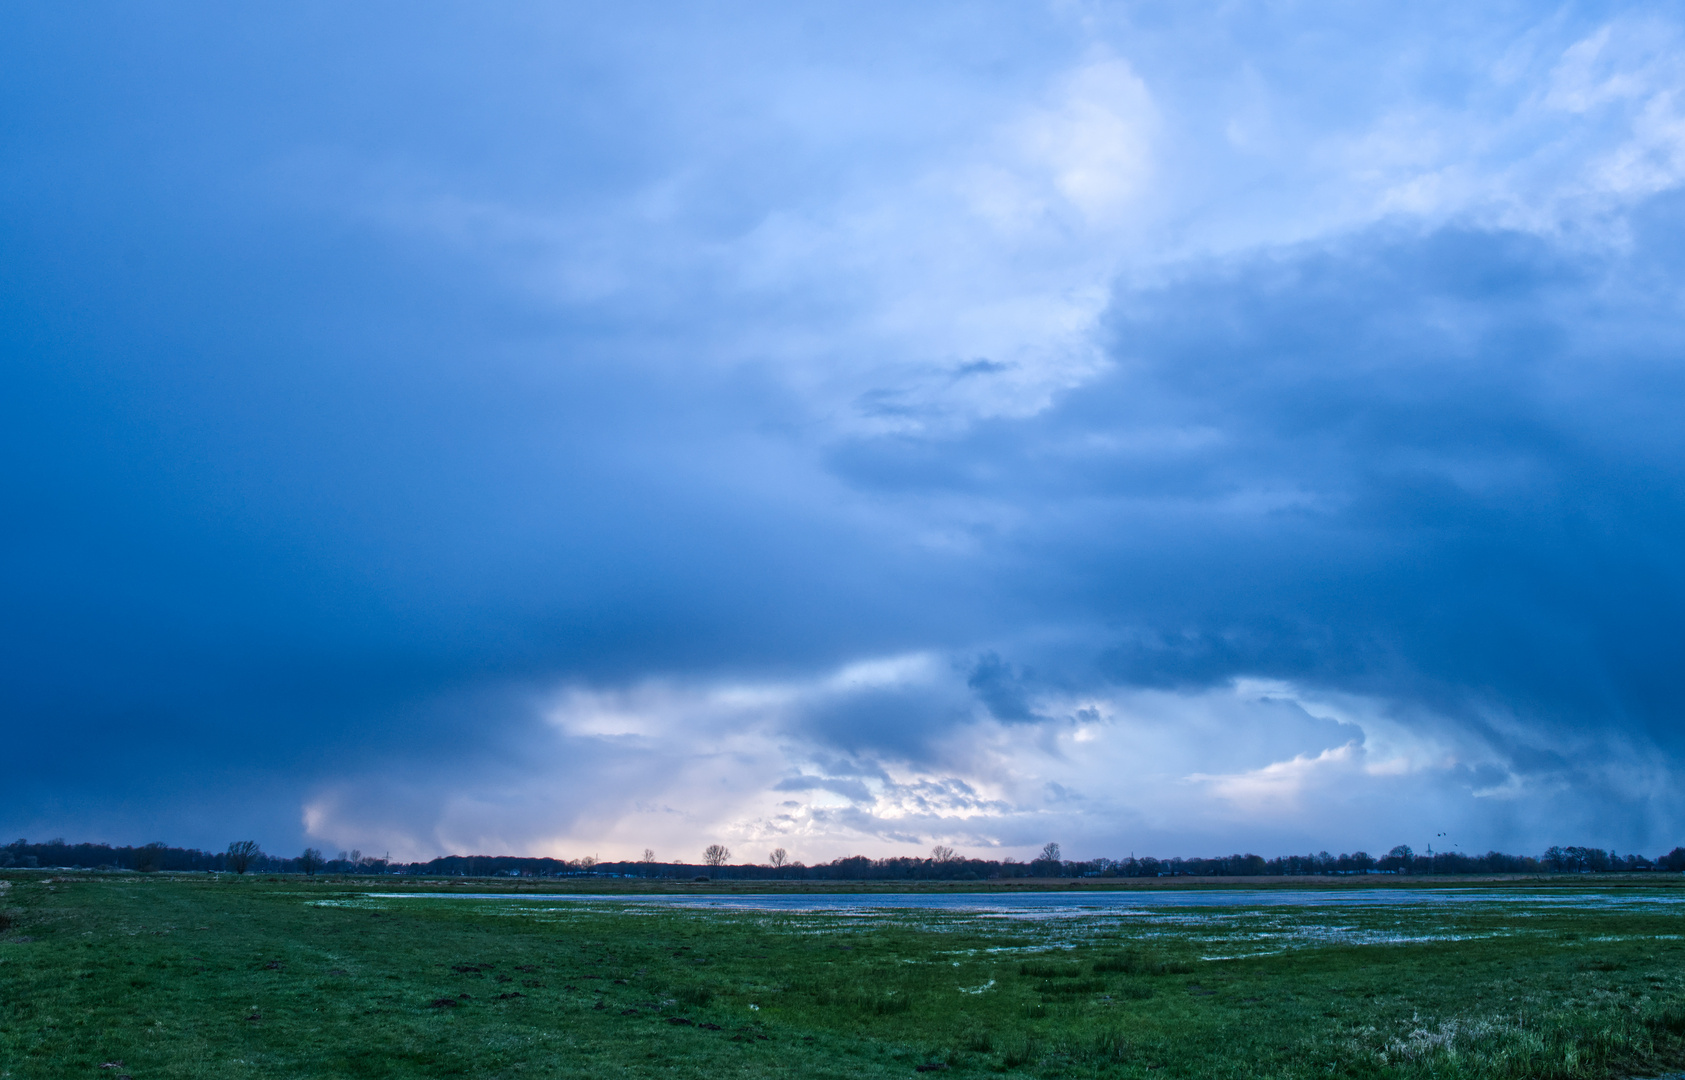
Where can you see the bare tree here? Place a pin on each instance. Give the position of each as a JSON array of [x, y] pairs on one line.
[[311, 861], [779, 856], [942, 853], [587, 862], [1050, 853], [716, 854], [649, 855], [241, 853]]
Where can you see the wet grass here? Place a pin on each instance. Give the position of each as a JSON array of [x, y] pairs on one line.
[[194, 977]]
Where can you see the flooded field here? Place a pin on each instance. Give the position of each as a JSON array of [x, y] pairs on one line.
[[283, 977], [1223, 924], [1068, 903]]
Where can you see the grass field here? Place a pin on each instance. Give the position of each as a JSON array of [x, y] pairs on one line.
[[200, 977]]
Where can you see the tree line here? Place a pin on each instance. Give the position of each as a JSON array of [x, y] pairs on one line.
[[238, 858], [943, 864]]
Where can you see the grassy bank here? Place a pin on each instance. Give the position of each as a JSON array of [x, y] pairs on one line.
[[199, 977]]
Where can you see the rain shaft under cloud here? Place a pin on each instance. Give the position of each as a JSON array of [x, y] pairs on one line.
[[566, 434]]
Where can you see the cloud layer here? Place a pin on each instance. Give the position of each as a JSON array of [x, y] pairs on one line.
[[1146, 428]]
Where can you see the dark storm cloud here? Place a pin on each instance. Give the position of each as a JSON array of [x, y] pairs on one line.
[[293, 491], [893, 720], [1001, 689], [1443, 468]]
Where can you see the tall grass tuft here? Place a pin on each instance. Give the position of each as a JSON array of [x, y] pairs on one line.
[[1668, 1020], [1503, 1048], [1070, 986], [1134, 963], [884, 1004], [1108, 1046], [865, 1001], [1043, 969], [1022, 1052]]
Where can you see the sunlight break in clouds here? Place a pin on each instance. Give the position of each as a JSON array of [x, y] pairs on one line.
[[753, 766]]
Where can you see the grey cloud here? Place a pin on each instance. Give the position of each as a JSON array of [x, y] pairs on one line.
[[1436, 467], [897, 721], [981, 366], [848, 789], [1002, 689]]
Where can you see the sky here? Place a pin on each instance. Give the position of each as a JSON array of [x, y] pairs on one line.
[[1159, 428]]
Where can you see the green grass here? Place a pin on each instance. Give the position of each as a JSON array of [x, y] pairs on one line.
[[199, 977]]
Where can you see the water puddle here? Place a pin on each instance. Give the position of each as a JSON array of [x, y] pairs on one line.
[[1056, 905]]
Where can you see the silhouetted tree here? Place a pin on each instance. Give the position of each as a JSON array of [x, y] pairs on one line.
[[241, 853], [1048, 863], [311, 861], [778, 857], [716, 854], [150, 858], [941, 854]]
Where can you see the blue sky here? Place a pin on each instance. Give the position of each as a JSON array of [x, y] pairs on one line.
[[1165, 428]]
